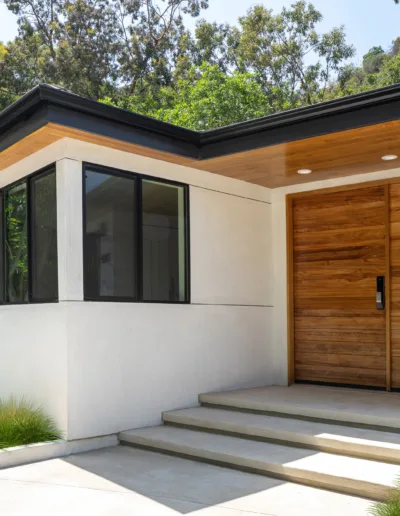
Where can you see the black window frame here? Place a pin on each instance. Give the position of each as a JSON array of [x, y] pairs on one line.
[[138, 178], [49, 169]]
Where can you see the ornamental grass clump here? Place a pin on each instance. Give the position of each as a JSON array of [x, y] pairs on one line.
[[389, 508], [21, 422]]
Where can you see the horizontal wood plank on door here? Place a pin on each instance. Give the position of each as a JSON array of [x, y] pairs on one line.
[[342, 335], [344, 347], [353, 305], [342, 256], [329, 239], [337, 285], [342, 375], [376, 362], [328, 198], [338, 251], [348, 323]]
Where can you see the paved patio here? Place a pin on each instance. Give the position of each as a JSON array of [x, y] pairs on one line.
[[122, 481]]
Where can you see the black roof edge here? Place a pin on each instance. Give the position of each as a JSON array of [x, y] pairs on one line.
[[322, 109], [353, 111], [20, 109], [67, 99]]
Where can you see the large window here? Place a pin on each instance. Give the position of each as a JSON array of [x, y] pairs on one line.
[[136, 245], [28, 240], [164, 264]]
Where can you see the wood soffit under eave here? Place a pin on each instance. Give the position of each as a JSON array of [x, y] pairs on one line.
[[340, 154]]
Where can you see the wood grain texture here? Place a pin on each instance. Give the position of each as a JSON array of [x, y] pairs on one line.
[[388, 292], [339, 154], [339, 248], [394, 202], [51, 133], [290, 294], [345, 153]]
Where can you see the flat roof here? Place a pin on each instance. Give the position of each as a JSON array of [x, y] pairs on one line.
[[47, 105]]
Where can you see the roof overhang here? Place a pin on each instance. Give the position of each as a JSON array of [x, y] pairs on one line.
[[341, 137]]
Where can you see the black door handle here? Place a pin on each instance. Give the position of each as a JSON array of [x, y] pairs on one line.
[[380, 292]]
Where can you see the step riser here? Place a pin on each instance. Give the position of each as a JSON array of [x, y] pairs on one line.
[[312, 442], [287, 473], [301, 412]]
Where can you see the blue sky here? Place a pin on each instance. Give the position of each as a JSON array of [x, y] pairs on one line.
[[368, 22]]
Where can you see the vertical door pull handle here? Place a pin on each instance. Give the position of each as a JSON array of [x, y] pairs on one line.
[[380, 292]]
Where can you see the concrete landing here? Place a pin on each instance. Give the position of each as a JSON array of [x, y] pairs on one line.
[[356, 406]]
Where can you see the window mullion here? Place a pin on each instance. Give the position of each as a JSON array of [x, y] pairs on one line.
[[30, 236], [139, 218]]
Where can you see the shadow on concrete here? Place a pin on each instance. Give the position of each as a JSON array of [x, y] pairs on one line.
[[181, 484]]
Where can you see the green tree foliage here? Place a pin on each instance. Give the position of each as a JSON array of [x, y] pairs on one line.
[[372, 61], [95, 47], [140, 55], [205, 97]]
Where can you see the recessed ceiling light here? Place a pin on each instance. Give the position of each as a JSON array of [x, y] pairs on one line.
[[389, 157], [304, 171]]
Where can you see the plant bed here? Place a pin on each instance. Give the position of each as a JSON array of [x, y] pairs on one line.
[[28, 434], [22, 423], [19, 455]]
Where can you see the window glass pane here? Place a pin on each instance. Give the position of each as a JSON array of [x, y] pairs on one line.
[[16, 244], [164, 273], [44, 242], [111, 236], [1, 251]]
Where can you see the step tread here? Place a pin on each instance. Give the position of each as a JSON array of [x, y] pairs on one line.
[[329, 403], [262, 453], [260, 424]]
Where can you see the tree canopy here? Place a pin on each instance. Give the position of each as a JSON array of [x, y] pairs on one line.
[[141, 55]]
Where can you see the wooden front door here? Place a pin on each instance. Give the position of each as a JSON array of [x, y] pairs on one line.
[[339, 249]]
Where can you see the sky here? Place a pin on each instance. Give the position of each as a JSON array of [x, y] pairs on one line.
[[368, 22]]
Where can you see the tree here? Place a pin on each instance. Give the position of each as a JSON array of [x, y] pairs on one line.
[[372, 61], [284, 51], [205, 98], [139, 55], [95, 47]]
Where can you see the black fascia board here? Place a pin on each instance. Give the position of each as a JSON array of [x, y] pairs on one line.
[[65, 108], [360, 110], [47, 103]]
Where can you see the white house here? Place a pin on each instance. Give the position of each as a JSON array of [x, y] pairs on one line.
[[142, 263]]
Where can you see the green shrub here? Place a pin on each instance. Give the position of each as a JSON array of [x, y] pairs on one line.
[[23, 423], [389, 508]]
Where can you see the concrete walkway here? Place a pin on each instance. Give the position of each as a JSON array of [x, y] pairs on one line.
[[123, 481]]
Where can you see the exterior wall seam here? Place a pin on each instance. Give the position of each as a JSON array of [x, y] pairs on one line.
[[227, 193]]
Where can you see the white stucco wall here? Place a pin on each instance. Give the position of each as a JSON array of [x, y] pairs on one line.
[[127, 363], [124, 363], [33, 344]]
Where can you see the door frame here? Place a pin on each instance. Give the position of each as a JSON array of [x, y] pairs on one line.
[[290, 268]]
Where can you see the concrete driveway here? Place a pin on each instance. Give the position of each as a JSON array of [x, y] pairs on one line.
[[123, 481]]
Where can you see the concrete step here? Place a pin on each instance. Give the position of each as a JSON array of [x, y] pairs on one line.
[[345, 440], [355, 406], [348, 475]]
